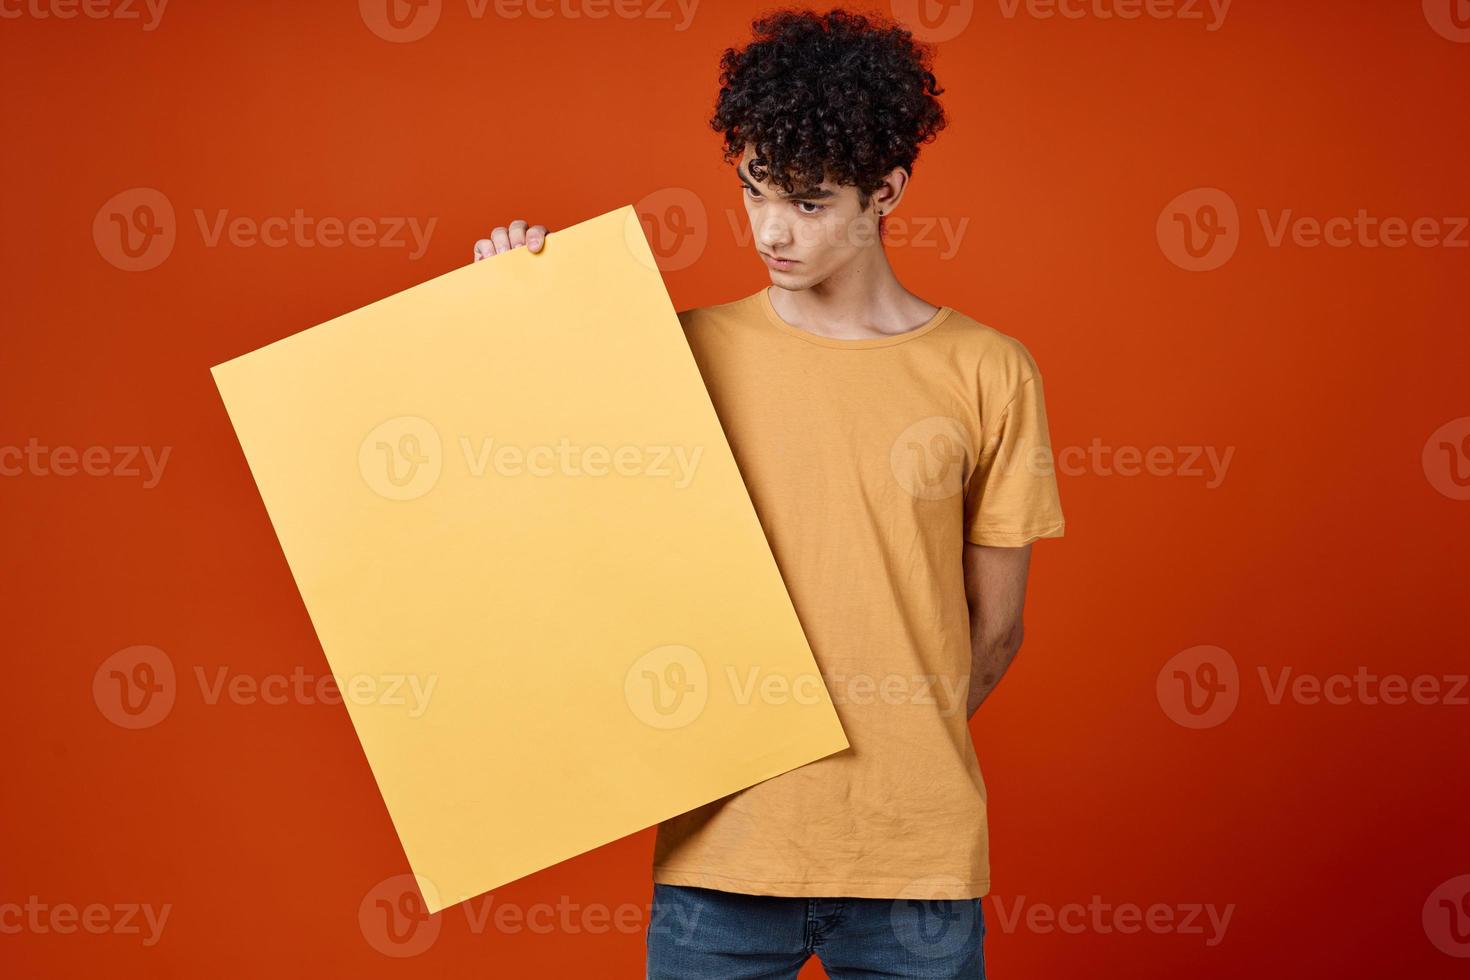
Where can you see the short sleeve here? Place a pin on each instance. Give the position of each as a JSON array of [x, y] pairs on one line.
[[1011, 498]]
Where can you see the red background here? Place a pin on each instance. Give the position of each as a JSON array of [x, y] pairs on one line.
[[1327, 547]]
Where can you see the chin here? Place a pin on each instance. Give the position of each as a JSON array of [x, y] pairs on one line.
[[790, 279]]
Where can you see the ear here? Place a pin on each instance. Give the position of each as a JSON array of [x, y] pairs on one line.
[[888, 195]]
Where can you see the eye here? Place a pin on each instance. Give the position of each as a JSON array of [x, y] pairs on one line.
[[816, 208], [746, 188]]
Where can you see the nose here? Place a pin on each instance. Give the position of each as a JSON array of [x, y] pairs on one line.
[[772, 232]]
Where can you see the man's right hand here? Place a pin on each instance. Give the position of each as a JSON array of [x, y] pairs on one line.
[[504, 239]]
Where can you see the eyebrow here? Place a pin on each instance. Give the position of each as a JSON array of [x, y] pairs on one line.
[[808, 194]]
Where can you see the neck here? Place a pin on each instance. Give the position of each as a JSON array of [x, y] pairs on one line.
[[863, 300]]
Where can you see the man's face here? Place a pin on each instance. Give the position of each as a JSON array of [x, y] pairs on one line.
[[819, 229]]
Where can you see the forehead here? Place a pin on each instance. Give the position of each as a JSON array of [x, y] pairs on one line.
[[825, 189]]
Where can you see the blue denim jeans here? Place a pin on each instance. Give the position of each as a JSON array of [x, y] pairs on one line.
[[703, 934]]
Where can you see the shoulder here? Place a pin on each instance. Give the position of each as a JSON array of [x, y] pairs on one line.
[[1000, 359], [700, 317]]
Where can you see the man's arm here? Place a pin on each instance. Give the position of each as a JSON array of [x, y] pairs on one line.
[[995, 587]]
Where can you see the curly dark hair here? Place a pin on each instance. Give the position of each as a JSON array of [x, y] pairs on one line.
[[841, 96]]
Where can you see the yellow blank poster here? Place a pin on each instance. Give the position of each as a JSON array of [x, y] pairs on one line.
[[519, 531]]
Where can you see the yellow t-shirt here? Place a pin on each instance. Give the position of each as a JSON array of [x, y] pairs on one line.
[[870, 462]]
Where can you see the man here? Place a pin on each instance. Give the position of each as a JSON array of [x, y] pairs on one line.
[[898, 458]]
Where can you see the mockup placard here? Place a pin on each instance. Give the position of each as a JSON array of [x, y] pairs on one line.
[[505, 495]]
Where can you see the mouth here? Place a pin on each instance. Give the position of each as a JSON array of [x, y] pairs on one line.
[[778, 263]]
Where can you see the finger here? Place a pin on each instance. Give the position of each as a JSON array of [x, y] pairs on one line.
[[536, 237], [484, 248], [501, 238], [517, 233]]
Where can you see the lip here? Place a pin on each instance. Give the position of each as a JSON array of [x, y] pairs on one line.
[[776, 263]]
